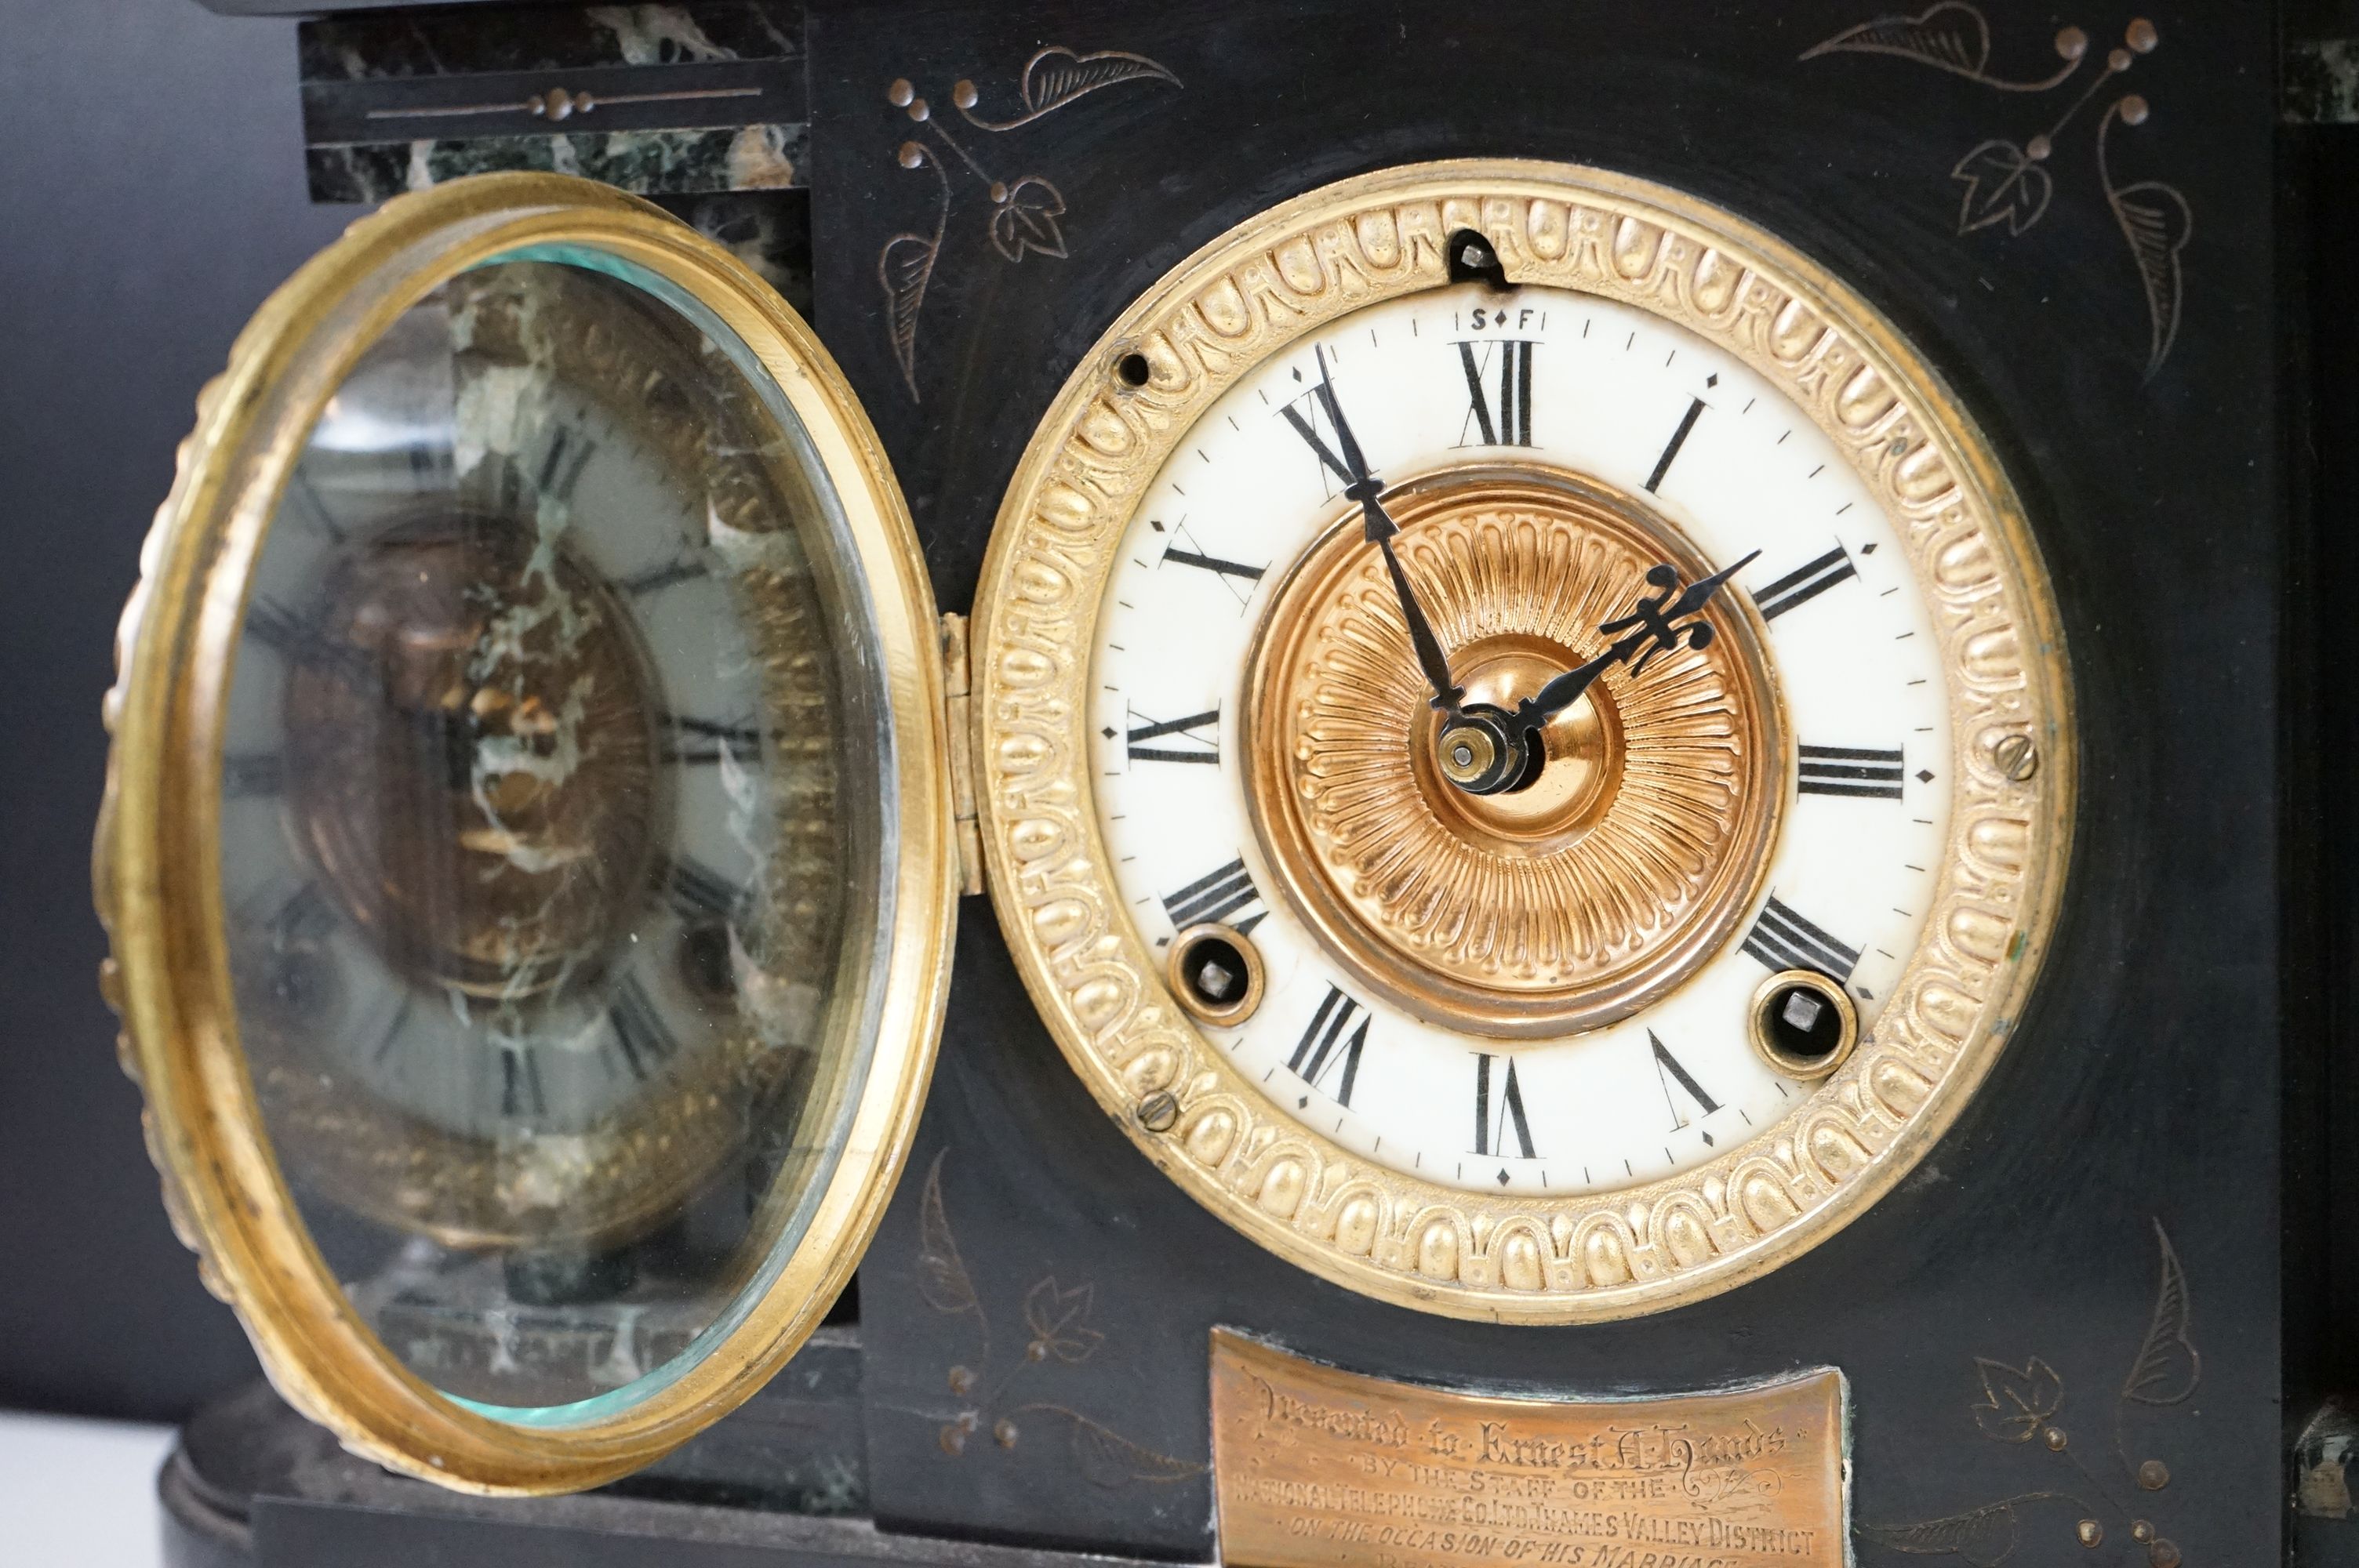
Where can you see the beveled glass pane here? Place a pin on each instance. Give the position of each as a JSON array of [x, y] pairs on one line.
[[555, 796]]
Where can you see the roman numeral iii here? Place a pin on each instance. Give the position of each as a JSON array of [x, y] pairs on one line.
[[1227, 896], [1848, 770], [1499, 1109], [1195, 739], [1804, 583], [1782, 939], [1508, 422], [1326, 1052]]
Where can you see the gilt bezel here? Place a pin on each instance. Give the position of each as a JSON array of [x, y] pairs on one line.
[[1267, 283], [156, 864]]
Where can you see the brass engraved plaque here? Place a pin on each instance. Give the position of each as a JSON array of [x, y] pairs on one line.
[[1314, 1467]]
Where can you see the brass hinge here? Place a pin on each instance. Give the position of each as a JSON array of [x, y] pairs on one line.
[[961, 733]]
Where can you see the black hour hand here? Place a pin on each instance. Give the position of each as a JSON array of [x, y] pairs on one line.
[[1659, 625]]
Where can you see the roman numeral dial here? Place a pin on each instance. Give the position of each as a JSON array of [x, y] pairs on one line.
[[1313, 584]]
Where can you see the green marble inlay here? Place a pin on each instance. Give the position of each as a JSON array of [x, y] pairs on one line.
[[646, 162]]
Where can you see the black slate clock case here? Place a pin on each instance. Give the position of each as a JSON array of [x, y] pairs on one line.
[[2074, 1308], [2024, 1257]]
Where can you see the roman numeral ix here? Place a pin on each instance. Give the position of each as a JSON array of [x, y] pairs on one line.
[[1782, 939], [1325, 1047], [1510, 423], [1188, 745], [1848, 770], [1804, 583], [1221, 896]]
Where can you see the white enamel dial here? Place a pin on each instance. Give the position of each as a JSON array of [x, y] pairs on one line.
[[1573, 383]]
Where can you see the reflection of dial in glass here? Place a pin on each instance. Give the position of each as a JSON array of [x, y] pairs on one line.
[[526, 784], [524, 841], [1570, 716], [1550, 987]]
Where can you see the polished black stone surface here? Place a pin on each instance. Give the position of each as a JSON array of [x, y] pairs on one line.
[[2135, 1119]]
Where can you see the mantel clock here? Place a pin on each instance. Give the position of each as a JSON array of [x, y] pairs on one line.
[[1572, 752]]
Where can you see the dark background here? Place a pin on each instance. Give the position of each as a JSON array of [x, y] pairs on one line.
[[151, 194]]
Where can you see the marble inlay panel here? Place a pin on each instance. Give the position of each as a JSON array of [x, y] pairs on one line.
[[655, 100]]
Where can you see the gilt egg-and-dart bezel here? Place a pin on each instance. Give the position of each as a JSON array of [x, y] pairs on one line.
[[1275, 281], [157, 863]]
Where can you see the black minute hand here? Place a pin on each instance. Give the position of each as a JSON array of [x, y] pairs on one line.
[[1657, 626], [1377, 528]]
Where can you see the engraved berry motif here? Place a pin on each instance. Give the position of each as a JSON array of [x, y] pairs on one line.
[[1025, 212], [1057, 1318], [2007, 183], [2015, 1407]]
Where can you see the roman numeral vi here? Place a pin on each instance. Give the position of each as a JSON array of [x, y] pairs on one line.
[[1499, 1109]]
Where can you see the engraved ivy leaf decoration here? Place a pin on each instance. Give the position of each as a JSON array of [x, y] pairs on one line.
[[1056, 76], [1106, 1458], [905, 269], [1951, 36], [1983, 1537], [1025, 219], [905, 266], [942, 1279], [2016, 1402], [2157, 222], [1058, 1319], [2004, 185], [2168, 1366]]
